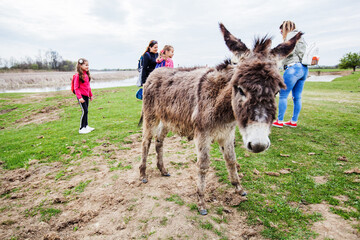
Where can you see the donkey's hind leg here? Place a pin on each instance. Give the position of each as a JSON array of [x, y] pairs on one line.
[[228, 151], [202, 142], [159, 142], [146, 141]]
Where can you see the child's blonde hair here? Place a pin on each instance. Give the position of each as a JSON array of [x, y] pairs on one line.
[[286, 27], [163, 51], [80, 62]]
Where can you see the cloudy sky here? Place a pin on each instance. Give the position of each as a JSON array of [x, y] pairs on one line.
[[114, 33]]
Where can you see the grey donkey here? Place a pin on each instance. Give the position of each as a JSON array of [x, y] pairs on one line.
[[206, 104]]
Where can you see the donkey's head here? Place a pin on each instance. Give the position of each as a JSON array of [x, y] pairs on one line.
[[255, 82]]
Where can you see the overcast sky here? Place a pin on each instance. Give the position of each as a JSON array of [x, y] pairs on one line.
[[114, 33]]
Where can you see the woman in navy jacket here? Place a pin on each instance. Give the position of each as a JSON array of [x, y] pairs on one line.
[[149, 60]]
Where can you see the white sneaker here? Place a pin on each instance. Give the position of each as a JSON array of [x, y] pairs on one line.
[[84, 131], [90, 128]]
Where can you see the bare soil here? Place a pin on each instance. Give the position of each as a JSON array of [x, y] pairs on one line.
[[320, 73], [115, 204], [333, 226], [20, 80], [47, 114]]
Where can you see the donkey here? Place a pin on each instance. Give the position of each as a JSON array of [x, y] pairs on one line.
[[206, 104]]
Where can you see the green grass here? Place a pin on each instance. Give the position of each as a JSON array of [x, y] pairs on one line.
[[176, 199], [115, 114], [81, 186], [77, 189], [120, 166], [46, 213], [329, 126]]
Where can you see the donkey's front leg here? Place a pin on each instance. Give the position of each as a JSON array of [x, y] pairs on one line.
[[203, 162], [227, 149], [159, 142]]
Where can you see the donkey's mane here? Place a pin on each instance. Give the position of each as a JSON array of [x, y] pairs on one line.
[[262, 44], [223, 65], [187, 69]]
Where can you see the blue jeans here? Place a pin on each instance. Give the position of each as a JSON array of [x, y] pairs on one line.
[[294, 78]]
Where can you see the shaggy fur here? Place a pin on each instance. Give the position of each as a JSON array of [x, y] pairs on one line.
[[207, 103]]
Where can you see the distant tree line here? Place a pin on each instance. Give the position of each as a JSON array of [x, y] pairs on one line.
[[50, 61]]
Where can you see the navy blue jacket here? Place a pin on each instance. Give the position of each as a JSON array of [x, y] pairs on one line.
[[149, 63]]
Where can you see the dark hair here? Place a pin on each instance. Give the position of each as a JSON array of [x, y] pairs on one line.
[[151, 44], [80, 62]]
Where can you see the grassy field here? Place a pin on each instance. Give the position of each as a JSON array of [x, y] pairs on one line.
[[328, 131]]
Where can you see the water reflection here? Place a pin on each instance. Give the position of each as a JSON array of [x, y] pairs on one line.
[[132, 82], [322, 78]]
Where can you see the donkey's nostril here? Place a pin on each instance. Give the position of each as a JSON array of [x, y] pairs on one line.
[[257, 147]]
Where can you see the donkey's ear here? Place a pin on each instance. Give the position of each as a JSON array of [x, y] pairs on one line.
[[285, 48], [234, 44]]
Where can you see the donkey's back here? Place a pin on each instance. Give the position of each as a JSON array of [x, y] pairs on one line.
[[170, 97]]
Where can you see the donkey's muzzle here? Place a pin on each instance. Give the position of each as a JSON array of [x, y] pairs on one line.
[[257, 147], [256, 137]]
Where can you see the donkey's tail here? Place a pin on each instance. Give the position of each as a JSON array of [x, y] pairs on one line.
[[141, 119]]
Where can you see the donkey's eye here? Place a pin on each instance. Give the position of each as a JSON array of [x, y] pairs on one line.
[[239, 90]]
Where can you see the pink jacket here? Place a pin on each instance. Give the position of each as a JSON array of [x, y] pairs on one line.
[[82, 88], [169, 63]]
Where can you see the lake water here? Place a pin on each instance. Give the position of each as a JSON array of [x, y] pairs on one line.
[[324, 78], [132, 82]]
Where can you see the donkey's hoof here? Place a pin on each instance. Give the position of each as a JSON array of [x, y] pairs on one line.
[[166, 175], [144, 180], [203, 212], [243, 193]]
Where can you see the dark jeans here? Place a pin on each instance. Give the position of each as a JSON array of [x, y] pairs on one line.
[[84, 108]]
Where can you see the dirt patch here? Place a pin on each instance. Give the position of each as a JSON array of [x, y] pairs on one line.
[[320, 73], [332, 97], [47, 114], [101, 197], [333, 226], [7, 110], [320, 179]]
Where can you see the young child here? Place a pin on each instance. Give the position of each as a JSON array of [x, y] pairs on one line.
[[83, 93], [165, 58]]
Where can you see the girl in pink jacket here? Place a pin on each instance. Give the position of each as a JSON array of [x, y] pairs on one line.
[[165, 58], [83, 93]]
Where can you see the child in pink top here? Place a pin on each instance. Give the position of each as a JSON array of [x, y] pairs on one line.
[[165, 58], [83, 93]]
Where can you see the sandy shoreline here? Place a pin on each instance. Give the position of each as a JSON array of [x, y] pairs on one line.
[[20, 80], [58, 80]]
